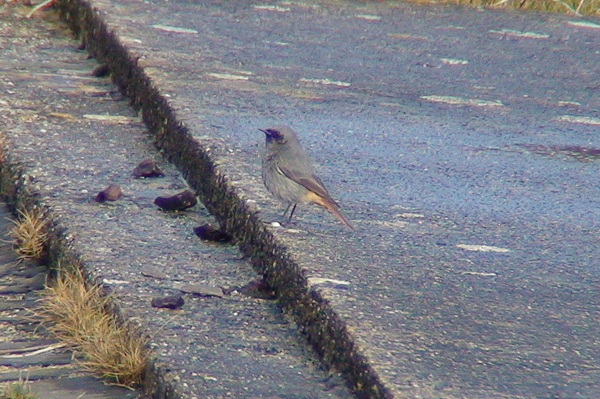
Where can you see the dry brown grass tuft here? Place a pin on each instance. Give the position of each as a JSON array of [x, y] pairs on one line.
[[575, 7], [28, 234], [79, 315], [17, 390]]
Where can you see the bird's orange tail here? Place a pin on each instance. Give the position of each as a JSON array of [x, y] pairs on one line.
[[331, 207]]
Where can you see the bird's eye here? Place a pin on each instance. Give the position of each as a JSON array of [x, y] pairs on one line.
[[273, 133]]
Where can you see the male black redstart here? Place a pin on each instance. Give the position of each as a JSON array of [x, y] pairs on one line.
[[288, 173]]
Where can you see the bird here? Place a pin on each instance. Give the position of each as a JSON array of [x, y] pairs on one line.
[[288, 174]]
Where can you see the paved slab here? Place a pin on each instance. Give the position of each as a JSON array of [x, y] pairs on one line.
[[462, 143], [73, 134]]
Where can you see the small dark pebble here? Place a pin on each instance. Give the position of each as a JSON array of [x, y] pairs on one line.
[[208, 233], [230, 290], [258, 289], [168, 302], [178, 202], [110, 193], [101, 71], [147, 168]]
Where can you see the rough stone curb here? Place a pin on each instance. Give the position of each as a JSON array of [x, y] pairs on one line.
[[323, 328]]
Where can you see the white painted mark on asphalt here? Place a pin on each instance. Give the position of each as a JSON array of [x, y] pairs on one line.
[[269, 7], [227, 76], [588, 120], [407, 36], [482, 248], [410, 215], [326, 82], [516, 33], [368, 17], [115, 282], [284, 44], [483, 274], [584, 24], [462, 101], [128, 39], [120, 119], [565, 103], [321, 281], [175, 29], [452, 61]]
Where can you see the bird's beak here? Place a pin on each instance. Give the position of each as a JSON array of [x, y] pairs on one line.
[[268, 132], [272, 134]]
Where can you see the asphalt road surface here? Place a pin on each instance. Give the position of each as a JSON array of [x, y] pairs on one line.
[[463, 144]]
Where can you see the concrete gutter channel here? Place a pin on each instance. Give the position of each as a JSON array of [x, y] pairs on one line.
[[25, 187]]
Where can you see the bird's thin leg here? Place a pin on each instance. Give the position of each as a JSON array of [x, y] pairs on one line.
[[291, 213], [286, 210]]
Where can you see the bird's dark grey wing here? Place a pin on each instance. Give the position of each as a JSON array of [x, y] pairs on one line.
[[312, 183]]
